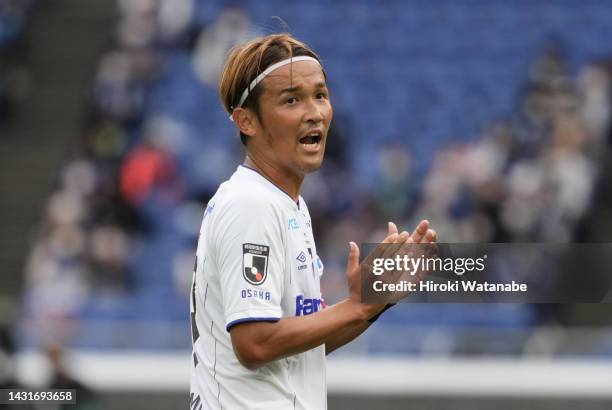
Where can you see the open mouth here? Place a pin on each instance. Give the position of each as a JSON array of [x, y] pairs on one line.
[[311, 139]]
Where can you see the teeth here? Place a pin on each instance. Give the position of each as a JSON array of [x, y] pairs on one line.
[[311, 139]]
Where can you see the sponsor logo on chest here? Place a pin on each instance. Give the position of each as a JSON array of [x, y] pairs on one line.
[[307, 306]]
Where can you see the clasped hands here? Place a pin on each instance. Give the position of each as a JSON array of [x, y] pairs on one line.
[[396, 246]]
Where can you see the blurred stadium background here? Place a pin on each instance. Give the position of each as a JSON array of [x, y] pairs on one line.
[[489, 118]]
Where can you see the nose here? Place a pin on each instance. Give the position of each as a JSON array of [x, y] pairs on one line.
[[314, 111]]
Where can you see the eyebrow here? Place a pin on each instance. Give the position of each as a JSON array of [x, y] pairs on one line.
[[318, 85]]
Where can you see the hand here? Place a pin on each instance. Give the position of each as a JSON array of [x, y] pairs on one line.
[[383, 250], [394, 244], [421, 234], [420, 244]]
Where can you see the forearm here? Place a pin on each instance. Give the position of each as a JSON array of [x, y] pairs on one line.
[[345, 335], [265, 342]]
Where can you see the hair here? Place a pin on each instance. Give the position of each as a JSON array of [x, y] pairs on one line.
[[246, 61]]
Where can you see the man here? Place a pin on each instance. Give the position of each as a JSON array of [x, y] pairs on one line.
[[260, 327]]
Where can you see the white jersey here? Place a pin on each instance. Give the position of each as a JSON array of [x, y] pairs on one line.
[[256, 261]]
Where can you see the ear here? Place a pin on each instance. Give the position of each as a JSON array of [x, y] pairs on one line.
[[245, 120]]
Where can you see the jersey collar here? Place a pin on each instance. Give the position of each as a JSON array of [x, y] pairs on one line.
[[256, 172]]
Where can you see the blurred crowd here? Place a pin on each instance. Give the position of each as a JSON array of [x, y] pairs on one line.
[[123, 187], [539, 176], [121, 227], [13, 74], [531, 178]]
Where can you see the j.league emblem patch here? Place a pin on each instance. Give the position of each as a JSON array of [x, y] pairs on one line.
[[255, 262]]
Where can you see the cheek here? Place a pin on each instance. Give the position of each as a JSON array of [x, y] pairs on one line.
[[284, 123], [329, 114]]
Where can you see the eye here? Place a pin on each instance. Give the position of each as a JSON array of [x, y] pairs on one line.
[[321, 96], [290, 100]]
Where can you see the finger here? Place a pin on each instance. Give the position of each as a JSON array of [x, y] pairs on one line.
[[380, 249], [392, 228], [391, 238], [402, 241], [429, 236], [420, 231], [394, 249], [388, 247], [353, 258], [433, 236], [353, 272], [390, 250]]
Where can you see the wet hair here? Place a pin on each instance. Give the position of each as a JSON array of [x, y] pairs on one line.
[[246, 61]]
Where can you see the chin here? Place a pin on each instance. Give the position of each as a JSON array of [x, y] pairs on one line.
[[312, 165], [309, 170]]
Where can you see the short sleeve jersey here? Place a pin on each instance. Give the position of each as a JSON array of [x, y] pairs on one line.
[[256, 261]]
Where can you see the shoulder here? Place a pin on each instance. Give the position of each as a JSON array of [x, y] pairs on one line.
[[247, 199], [246, 209]]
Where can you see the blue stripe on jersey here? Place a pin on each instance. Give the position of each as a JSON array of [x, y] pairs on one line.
[[251, 319]]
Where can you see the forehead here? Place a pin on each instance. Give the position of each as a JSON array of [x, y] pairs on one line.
[[298, 74]]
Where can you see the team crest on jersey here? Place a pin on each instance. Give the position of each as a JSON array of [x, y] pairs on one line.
[[255, 263]]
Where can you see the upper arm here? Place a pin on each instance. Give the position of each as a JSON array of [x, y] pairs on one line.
[[250, 258]]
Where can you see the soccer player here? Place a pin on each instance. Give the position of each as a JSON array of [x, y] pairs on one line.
[[260, 326]]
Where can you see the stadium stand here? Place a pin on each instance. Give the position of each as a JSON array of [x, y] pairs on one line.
[[466, 105]]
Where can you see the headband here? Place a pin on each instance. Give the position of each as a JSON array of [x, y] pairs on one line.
[[265, 73]]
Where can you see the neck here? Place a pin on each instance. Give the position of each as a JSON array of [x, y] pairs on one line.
[[288, 182]]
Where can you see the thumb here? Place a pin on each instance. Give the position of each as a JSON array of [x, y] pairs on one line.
[[353, 258]]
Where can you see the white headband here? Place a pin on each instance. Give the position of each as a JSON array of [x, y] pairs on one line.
[[265, 73]]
